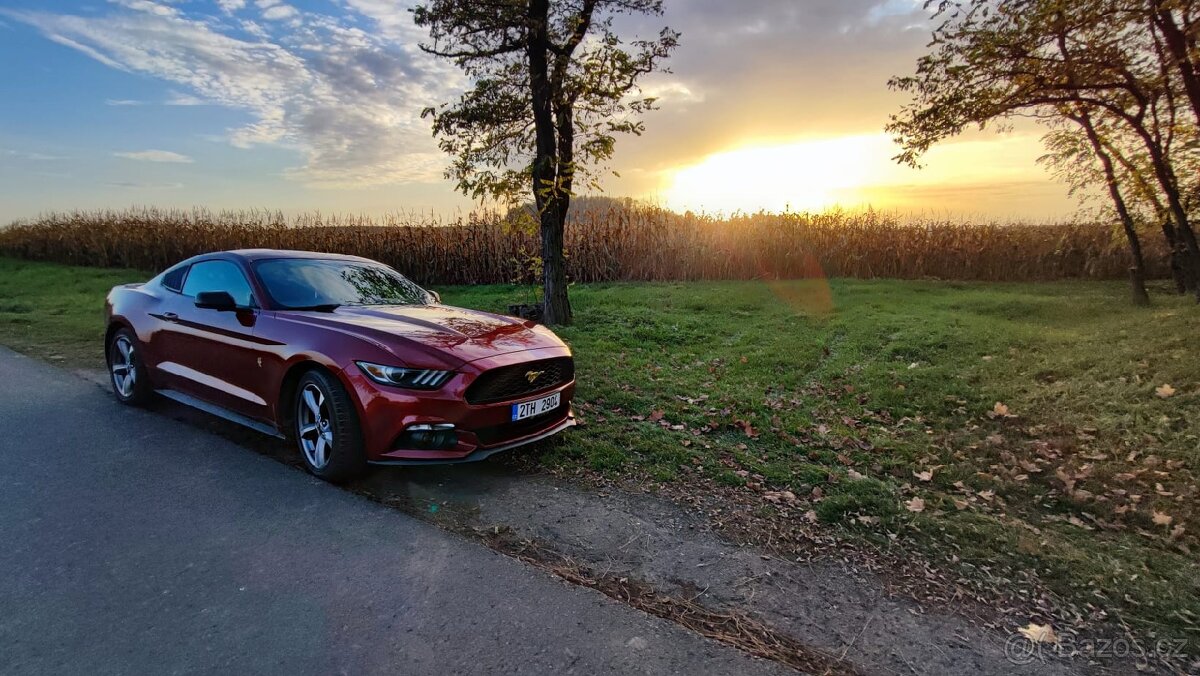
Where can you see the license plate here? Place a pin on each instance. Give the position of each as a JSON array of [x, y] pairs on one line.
[[528, 409]]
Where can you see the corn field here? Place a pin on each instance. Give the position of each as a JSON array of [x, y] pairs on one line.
[[635, 243]]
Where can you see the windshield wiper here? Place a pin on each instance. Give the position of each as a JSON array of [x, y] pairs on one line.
[[323, 307]]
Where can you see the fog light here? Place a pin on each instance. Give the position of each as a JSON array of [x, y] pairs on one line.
[[429, 437]]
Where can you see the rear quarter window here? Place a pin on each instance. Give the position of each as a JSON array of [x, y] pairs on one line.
[[173, 279]]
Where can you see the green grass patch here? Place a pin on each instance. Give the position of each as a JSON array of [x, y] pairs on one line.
[[847, 394], [56, 312]]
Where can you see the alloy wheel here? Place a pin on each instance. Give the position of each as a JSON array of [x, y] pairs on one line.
[[123, 367], [314, 426]]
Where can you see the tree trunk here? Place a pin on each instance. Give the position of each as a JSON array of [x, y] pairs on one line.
[[1189, 253], [1170, 186], [1137, 273], [1178, 258], [1177, 47], [556, 307], [1137, 283]]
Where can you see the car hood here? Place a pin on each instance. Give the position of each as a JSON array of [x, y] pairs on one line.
[[450, 335]]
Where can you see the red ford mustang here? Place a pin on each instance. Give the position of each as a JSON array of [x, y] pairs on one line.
[[345, 355]]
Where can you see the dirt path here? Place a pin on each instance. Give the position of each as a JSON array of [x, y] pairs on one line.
[[829, 605]]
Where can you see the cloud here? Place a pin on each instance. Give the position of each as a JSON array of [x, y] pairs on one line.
[[231, 6], [671, 92], [346, 97], [178, 99], [155, 156], [139, 185], [123, 102], [35, 157], [279, 12]]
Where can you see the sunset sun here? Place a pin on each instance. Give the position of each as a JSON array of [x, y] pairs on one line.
[[802, 176]]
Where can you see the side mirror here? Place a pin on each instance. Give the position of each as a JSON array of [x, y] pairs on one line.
[[220, 301], [437, 297]]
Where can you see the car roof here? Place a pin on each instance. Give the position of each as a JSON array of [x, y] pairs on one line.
[[252, 255]]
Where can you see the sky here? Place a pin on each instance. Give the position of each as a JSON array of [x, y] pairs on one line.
[[315, 105]]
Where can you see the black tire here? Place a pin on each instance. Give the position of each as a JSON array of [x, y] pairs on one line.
[[336, 424], [126, 371]]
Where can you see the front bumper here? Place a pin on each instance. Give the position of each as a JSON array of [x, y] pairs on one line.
[[483, 429], [480, 453]]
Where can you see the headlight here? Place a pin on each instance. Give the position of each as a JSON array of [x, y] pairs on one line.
[[417, 379]]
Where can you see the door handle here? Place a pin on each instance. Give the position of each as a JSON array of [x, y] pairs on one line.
[[170, 316]]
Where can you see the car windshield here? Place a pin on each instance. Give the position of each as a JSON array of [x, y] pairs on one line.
[[299, 283]]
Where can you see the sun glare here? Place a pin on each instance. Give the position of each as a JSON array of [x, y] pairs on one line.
[[805, 176]]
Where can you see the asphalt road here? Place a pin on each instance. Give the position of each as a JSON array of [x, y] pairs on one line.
[[130, 543]]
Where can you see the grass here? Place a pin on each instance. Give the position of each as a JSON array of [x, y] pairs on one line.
[[56, 312], [857, 397]]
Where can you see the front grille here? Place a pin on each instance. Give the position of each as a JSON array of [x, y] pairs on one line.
[[512, 382]]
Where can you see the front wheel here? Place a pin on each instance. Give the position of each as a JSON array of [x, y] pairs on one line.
[[126, 370], [327, 429]]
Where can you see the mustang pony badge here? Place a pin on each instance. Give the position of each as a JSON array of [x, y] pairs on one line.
[[533, 375]]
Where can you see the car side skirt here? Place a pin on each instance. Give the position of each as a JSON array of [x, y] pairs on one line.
[[221, 412]]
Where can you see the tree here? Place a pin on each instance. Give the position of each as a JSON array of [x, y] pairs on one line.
[[553, 87], [993, 60], [1071, 157]]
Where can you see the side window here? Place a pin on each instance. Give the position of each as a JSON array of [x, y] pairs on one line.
[[173, 280], [218, 276]]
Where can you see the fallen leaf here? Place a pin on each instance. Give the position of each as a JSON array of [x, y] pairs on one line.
[[926, 475], [960, 504], [1164, 391], [1177, 532], [1078, 522], [1000, 410], [746, 428], [915, 505], [1039, 633], [1161, 519], [656, 415]]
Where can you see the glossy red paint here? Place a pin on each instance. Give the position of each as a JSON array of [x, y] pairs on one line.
[[245, 360]]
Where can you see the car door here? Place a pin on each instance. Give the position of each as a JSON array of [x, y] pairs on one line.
[[213, 354]]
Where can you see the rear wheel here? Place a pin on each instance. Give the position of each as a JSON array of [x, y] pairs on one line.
[[327, 429], [127, 374]]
